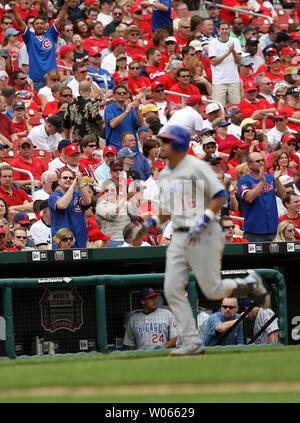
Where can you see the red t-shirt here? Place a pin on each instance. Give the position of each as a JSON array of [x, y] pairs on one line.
[[275, 77], [33, 11], [207, 66], [88, 43], [249, 78], [50, 109], [237, 240], [296, 222], [20, 128], [181, 42], [168, 81], [248, 108], [293, 158], [37, 167], [289, 112], [229, 15], [134, 50], [154, 72], [17, 198], [145, 27], [191, 90], [136, 86], [225, 145], [88, 166], [6, 127]]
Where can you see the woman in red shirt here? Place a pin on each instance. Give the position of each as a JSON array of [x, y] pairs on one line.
[[66, 58], [224, 141], [234, 159]]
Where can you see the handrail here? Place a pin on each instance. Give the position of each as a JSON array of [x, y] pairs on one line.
[[95, 75], [30, 176], [264, 129], [237, 11]]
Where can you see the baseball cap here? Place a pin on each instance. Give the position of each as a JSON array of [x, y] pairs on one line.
[[212, 158], [56, 121], [136, 8], [71, 149], [18, 105], [239, 143], [159, 164], [294, 91], [287, 50], [249, 120], [65, 50], [120, 78], [22, 218], [245, 302], [126, 152], [196, 45], [88, 2], [2, 230], [289, 70], [212, 107], [44, 205], [63, 144], [279, 114], [245, 61], [109, 149], [206, 131], [232, 110], [273, 59], [209, 140], [288, 138], [250, 86], [4, 53], [132, 28], [147, 293], [286, 181], [195, 99], [271, 50], [252, 40], [249, 28], [11, 31], [143, 128], [115, 164], [171, 39], [24, 140], [117, 41], [282, 36], [211, 6], [150, 108], [156, 84], [3, 75], [3, 146], [220, 123], [94, 52]]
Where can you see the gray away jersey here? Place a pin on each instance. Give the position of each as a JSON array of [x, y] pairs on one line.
[[186, 190], [145, 331]]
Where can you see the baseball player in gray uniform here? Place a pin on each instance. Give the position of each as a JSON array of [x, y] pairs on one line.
[[192, 196], [151, 328], [260, 317]]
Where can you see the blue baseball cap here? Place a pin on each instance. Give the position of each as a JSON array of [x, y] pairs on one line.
[[178, 134], [147, 293], [22, 218], [11, 31], [143, 128], [245, 302], [126, 152], [63, 144]]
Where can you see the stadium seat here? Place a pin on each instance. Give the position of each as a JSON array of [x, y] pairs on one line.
[[8, 156], [262, 23], [46, 156], [283, 19]]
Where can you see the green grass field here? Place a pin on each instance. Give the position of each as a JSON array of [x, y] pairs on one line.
[[249, 374]]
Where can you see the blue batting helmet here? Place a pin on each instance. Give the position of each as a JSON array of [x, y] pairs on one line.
[[180, 137]]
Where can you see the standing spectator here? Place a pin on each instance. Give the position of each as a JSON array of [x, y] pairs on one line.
[[67, 207], [103, 171], [109, 62], [158, 326], [17, 199], [47, 179], [218, 323], [40, 43], [257, 192], [46, 135], [40, 231], [225, 56], [183, 86], [260, 316], [120, 117], [292, 203], [25, 160], [88, 161], [82, 116]]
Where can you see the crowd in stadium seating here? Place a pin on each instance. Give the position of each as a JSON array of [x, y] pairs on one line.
[[85, 91]]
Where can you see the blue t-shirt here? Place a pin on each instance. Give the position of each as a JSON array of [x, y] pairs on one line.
[[260, 216], [142, 166], [129, 124], [72, 217], [211, 337], [160, 18], [105, 74], [41, 52]]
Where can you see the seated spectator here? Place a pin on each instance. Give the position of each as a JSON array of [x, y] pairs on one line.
[[246, 72], [159, 332], [224, 141], [140, 165], [236, 153], [266, 86], [144, 133], [183, 86], [96, 40], [274, 72], [285, 232], [133, 47], [281, 161], [128, 238], [94, 66], [60, 161], [279, 93], [153, 67], [66, 59], [47, 135], [45, 93], [47, 179], [3, 237], [79, 52], [25, 160], [72, 156], [199, 77], [212, 112], [292, 204], [249, 137], [109, 62], [88, 161], [51, 108], [275, 134], [19, 240], [40, 231], [64, 239], [292, 106], [4, 210], [288, 144], [136, 82], [260, 316], [218, 323], [96, 238], [160, 100], [151, 150], [228, 225], [7, 135], [103, 171], [17, 199], [20, 121], [126, 156], [151, 191]]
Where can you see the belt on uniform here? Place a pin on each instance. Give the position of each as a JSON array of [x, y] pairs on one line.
[[182, 229]]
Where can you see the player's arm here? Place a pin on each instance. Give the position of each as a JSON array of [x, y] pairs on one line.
[[21, 24], [273, 337], [171, 343]]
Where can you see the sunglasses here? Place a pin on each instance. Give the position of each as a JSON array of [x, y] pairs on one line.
[[92, 145], [228, 306], [25, 225], [159, 91], [291, 144], [280, 95], [118, 13], [136, 68], [259, 160], [83, 71], [25, 146], [134, 34], [67, 238], [278, 120], [268, 83], [291, 230], [23, 79], [229, 227], [122, 93], [56, 79], [184, 76], [170, 42], [71, 178], [185, 27], [67, 95], [250, 130], [21, 237], [139, 12], [7, 23], [192, 54], [110, 190], [116, 170]]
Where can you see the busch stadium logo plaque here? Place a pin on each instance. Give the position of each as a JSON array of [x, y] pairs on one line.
[[61, 309]]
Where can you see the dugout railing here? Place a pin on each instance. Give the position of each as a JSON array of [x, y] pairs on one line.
[[71, 315]]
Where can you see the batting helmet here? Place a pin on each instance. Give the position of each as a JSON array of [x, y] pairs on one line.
[[180, 137]]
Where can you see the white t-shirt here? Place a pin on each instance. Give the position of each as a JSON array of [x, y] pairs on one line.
[[235, 130], [161, 112], [225, 72], [207, 124], [104, 19], [274, 136], [46, 91], [109, 63], [43, 141], [257, 62], [74, 85], [188, 118], [56, 164], [40, 194]]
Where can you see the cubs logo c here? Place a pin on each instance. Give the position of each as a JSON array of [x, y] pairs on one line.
[[47, 44]]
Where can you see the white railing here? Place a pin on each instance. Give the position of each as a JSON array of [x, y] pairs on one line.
[[264, 129], [236, 10], [30, 176]]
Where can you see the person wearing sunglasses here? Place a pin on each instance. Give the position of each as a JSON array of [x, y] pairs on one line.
[[89, 160], [292, 204], [228, 226], [80, 73], [281, 127], [142, 21], [136, 82], [19, 239], [222, 320], [285, 232], [292, 106], [67, 207], [94, 66], [64, 239], [288, 145], [266, 87], [257, 191]]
